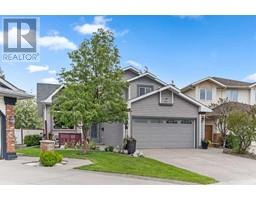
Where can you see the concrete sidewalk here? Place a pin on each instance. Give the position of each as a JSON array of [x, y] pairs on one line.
[[15, 172]]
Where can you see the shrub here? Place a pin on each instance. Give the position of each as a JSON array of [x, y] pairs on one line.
[[50, 158], [232, 142], [59, 157], [109, 148], [32, 140]]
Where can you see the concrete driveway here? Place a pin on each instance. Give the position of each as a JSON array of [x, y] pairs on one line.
[[227, 169], [15, 172]]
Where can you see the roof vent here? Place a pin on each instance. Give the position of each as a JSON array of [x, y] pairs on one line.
[[146, 69], [172, 83]]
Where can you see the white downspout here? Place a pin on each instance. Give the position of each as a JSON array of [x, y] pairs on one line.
[[199, 130], [129, 130]]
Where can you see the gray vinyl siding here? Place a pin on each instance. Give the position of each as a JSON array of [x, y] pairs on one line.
[[142, 81], [149, 106], [112, 134], [129, 74]]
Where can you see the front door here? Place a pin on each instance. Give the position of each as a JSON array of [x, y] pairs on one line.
[[94, 132], [208, 132]]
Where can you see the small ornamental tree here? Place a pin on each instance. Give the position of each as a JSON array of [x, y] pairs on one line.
[[93, 87], [26, 115], [223, 112], [242, 126]]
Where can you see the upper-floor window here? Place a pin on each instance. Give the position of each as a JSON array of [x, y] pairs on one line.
[[232, 95], [205, 94], [144, 89]]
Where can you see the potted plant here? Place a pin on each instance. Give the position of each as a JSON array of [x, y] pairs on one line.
[[205, 143], [131, 145]]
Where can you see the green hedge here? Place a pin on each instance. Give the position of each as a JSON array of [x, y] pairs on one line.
[[32, 140]]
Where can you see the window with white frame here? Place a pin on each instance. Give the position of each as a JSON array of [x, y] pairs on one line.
[[206, 94], [144, 89], [232, 95]]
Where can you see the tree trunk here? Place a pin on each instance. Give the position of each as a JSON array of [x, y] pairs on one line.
[[224, 141], [85, 145]]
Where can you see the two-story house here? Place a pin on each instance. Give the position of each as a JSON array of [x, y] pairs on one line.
[[160, 115], [209, 90]]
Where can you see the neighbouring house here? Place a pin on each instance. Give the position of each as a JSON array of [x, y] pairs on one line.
[[160, 115], [239, 94], [9, 94]]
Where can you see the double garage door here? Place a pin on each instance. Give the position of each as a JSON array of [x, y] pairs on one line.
[[164, 133]]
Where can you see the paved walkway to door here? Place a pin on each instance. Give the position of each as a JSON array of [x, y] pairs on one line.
[[225, 168]]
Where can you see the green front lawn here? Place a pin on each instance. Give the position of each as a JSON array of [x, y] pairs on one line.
[[124, 164]]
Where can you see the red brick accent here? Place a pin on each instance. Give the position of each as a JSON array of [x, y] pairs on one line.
[[47, 145], [10, 137]]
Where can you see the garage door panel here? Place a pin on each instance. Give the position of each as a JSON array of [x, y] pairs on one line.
[[163, 135]]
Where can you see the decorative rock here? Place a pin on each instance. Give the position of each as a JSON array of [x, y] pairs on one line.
[[137, 154], [47, 145]]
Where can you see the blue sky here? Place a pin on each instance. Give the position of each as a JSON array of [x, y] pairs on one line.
[[179, 48]]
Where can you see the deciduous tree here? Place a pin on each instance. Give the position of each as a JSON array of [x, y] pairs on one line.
[[93, 87]]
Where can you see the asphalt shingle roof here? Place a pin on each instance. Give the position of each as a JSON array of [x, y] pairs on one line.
[[231, 82]]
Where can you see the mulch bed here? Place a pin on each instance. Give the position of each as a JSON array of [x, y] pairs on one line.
[[246, 155]]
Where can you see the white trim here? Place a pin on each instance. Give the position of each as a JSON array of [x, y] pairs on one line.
[[200, 138], [202, 108], [129, 133], [208, 78], [129, 92], [124, 135], [150, 76], [9, 85], [49, 99], [195, 133], [19, 94], [45, 113], [160, 96], [132, 68], [202, 80], [252, 85]]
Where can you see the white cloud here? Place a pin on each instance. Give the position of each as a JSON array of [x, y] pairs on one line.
[[89, 28], [122, 33], [51, 80], [250, 78], [53, 42], [52, 72], [37, 68], [56, 42], [133, 63]]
